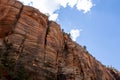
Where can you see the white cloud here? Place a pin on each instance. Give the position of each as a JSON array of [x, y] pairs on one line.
[[84, 5], [72, 3], [50, 6], [53, 17], [64, 3], [75, 33]]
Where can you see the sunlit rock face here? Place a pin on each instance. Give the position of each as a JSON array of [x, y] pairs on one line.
[[34, 48]]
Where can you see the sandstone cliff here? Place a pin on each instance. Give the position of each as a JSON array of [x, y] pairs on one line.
[[34, 48]]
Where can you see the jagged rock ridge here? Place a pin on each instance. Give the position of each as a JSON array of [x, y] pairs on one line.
[[34, 48]]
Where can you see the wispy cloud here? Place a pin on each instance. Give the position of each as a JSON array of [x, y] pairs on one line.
[[47, 6], [75, 33]]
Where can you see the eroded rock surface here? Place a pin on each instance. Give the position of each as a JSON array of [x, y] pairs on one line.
[[34, 48]]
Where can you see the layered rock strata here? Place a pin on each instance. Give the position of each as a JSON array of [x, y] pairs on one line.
[[34, 48]]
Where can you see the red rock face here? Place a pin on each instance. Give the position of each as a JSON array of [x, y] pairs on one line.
[[34, 48], [9, 13]]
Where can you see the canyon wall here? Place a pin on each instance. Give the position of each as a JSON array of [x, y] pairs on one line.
[[34, 48]]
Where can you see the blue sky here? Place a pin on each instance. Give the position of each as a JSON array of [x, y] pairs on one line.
[[97, 25]]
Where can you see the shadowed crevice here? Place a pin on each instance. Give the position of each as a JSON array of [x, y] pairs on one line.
[[18, 16]]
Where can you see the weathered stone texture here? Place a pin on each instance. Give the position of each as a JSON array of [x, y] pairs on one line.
[[29, 42]]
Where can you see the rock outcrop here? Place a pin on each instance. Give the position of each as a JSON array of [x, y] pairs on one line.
[[34, 48]]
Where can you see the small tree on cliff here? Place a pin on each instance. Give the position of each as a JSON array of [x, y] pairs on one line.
[[85, 47]]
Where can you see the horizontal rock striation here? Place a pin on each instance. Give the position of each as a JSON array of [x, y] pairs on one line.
[[34, 48]]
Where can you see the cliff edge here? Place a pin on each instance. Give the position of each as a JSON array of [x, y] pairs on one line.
[[34, 48]]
